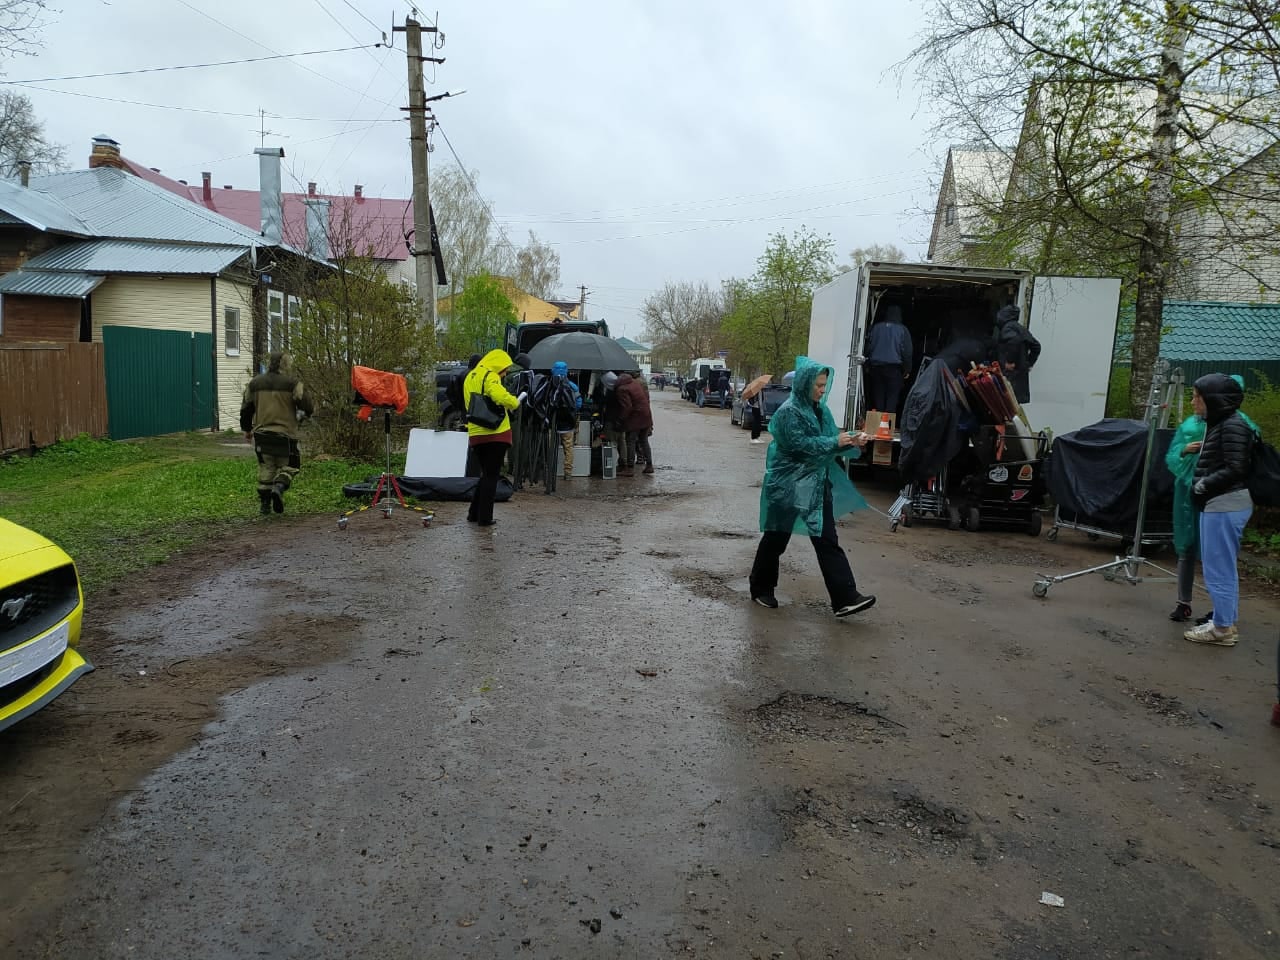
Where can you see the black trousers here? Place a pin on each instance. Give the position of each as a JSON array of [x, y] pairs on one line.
[[757, 423], [836, 572], [884, 386], [489, 456]]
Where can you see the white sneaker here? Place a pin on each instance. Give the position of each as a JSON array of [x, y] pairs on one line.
[[1215, 636], [757, 440]]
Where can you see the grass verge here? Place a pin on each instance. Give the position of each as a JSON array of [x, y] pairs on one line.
[[119, 506]]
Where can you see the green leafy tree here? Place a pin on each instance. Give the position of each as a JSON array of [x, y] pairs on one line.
[[478, 317], [768, 321], [1140, 134]]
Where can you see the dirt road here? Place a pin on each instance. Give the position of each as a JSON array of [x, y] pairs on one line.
[[573, 736]]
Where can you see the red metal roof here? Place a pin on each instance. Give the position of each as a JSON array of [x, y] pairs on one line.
[[376, 222]]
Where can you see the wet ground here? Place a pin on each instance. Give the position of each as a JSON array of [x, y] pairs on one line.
[[571, 735]]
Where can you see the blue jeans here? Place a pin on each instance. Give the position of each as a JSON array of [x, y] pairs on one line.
[[1220, 535]]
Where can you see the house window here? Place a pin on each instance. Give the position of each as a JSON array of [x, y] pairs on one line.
[[275, 321], [295, 316], [231, 330], [950, 215]]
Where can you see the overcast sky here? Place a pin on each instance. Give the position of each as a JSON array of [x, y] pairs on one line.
[[647, 140]]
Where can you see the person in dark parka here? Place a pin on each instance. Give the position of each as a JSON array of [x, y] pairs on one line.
[[274, 403], [1220, 491], [1017, 350]]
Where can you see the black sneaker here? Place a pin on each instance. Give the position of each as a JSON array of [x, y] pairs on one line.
[[1201, 621], [277, 498], [1181, 612], [860, 602], [766, 600]]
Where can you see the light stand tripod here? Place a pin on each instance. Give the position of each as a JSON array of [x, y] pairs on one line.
[[387, 482], [1164, 388]]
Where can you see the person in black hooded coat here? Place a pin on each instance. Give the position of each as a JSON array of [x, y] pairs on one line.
[[1220, 490], [1017, 350]]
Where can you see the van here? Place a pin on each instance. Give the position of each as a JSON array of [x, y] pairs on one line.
[[1074, 318], [700, 384]]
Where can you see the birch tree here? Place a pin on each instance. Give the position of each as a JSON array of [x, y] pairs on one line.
[[1148, 142]]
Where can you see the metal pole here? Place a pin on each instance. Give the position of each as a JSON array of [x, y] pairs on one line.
[[423, 248]]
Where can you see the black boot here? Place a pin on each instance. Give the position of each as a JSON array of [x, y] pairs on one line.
[[264, 503], [277, 498]]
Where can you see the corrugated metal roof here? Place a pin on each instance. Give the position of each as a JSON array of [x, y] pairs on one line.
[[1215, 331], [115, 204], [135, 256], [48, 283], [40, 209]]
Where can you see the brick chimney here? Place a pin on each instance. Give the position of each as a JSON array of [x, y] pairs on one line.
[[105, 153], [359, 193], [24, 172], [206, 186]]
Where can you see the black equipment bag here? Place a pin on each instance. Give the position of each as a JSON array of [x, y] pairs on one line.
[[482, 411], [1264, 475]]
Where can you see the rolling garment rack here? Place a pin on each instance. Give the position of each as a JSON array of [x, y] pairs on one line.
[[1128, 568]]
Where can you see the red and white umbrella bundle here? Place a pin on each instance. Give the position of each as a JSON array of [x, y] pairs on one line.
[[990, 392]]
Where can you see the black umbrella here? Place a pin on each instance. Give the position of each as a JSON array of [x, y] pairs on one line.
[[581, 351]]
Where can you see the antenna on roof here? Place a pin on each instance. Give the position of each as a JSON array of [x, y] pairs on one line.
[[262, 130]]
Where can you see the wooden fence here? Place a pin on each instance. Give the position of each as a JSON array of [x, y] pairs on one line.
[[50, 392]]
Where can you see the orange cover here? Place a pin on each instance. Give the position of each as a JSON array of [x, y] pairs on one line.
[[380, 389]]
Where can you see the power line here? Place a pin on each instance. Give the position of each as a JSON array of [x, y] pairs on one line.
[[467, 173], [186, 66], [258, 43], [174, 106], [361, 14]]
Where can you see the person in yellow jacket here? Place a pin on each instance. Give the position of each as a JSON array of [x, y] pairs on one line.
[[489, 444]]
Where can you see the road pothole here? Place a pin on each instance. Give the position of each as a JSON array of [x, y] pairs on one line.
[[799, 716]]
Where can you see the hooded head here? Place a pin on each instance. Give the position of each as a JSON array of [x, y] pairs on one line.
[[892, 314], [279, 362], [559, 369], [1007, 314], [610, 380], [1222, 396], [624, 379], [495, 362], [471, 364], [523, 362], [807, 373]]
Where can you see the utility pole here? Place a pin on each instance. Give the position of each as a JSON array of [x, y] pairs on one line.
[[582, 301], [423, 246]]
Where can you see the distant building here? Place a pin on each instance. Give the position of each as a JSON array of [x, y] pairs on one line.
[[642, 354]]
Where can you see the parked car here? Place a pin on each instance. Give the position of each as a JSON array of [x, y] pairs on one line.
[[449, 416], [771, 398], [40, 611]]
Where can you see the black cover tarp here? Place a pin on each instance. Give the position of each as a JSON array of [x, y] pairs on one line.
[[431, 488], [1096, 472], [930, 425]]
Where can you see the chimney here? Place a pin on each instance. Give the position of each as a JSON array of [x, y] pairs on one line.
[[105, 153], [272, 203], [311, 188], [359, 193], [317, 228], [24, 172]]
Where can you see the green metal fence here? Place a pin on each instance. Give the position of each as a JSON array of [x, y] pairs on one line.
[[158, 381]]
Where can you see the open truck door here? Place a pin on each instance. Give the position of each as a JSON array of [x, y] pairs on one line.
[[835, 338], [1074, 318]]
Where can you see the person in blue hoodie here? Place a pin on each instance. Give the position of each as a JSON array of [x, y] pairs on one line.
[[806, 489], [566, 401]]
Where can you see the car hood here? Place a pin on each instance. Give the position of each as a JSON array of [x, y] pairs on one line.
[[16, 540]]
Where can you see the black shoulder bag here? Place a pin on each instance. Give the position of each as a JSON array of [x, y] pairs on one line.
[[482, 411]]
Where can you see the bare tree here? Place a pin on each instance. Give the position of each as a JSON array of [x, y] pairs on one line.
[[1128, 125], [21, 22], [538, 268], [682, 320], [880, 252], [22, 137], [469, 236]]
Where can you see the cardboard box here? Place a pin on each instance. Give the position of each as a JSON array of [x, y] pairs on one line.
[[872, 423], [882, 452]]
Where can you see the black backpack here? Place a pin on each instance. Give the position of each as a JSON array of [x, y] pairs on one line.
[[453, 392], [1264, 474]]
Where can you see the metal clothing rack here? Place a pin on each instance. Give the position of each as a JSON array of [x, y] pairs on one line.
[[1166, 387]]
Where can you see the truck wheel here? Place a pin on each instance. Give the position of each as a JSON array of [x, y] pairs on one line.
[[1034, 524], [953, 518], [453, 420], [973, 520]]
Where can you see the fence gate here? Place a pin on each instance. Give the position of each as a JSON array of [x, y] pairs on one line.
[[158, 381]]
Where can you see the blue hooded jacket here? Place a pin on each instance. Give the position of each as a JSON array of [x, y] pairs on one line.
[[803, 457]]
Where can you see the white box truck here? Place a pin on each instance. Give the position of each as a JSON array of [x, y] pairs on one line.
[[1074, 318]]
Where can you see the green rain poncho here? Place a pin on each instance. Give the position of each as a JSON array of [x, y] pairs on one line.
[[1186, 525], [803, 457]]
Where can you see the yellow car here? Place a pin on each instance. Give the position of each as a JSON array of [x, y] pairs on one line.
[[40, 611]]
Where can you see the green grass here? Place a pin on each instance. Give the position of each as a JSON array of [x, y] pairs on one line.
[[118, 507]]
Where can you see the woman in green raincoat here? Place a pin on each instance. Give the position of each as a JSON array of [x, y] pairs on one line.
[[1184, 451], [805, 489]]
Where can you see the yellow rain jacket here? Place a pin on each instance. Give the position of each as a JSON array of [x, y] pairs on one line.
[[486, 378]]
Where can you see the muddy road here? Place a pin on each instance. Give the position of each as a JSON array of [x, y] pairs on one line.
[[571, 735]]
